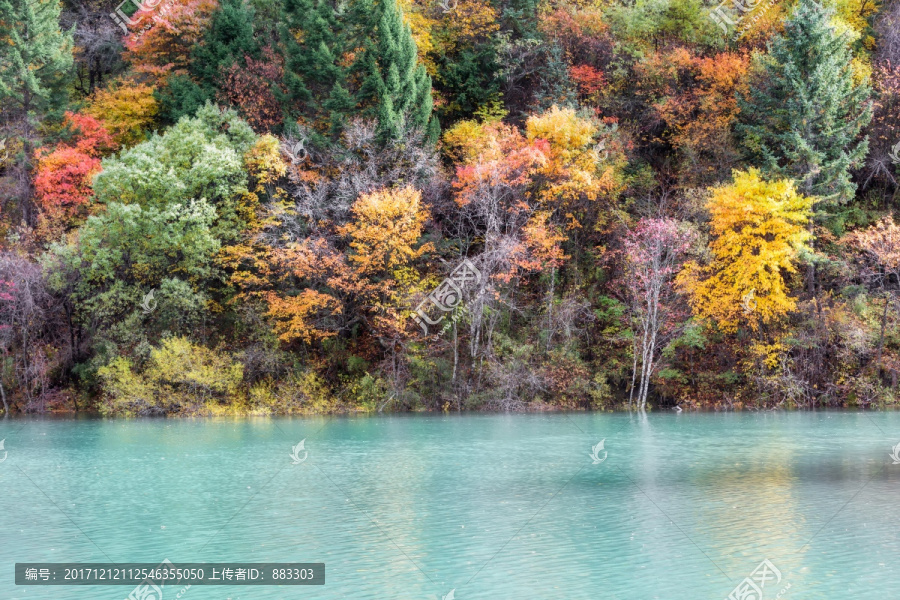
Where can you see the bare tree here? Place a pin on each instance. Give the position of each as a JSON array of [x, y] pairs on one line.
[[29, 331], [653, 254]]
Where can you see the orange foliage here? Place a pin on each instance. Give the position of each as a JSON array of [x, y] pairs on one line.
[[64, 175], [695, 97], [165, 37]]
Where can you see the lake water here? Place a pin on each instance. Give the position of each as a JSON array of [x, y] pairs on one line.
[[684, 506]]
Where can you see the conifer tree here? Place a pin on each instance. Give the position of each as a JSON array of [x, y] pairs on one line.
[[34, 54], [803, 117], [396, 84], [229, 39], [313, 37]]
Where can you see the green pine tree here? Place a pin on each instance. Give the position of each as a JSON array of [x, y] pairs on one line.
[[34, 56], [314, 40], [803, 117], [228, 40], [396, 85]]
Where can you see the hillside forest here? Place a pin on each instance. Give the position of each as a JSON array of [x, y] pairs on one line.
[[214, 207]]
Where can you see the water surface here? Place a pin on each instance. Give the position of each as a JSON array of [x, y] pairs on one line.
[[496, 507]]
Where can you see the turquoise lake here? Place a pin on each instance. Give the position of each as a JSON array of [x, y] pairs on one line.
[[680, 506]]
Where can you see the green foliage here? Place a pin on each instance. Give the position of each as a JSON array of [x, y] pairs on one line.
[[198, 158], [122, 256], [229, 39], [805, 110], [34, 54], [395, 83], [181, 97], [470, 79]]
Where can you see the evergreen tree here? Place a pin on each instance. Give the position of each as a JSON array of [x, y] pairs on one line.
[[313, 38], [396, 85], [803, 117], [229, 39], [34, 54]]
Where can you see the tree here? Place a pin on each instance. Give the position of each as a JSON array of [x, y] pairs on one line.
[[127, 110], [249, 89], [119, 257], [653, 255], [34, 55], [175, 30], [64, 175], [228, 40], [395, 83], [200, 157], [760, 231], [314, 42], [878, 248], [803, 115]]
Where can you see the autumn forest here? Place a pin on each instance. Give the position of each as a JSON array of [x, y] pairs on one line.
[[297, 206]]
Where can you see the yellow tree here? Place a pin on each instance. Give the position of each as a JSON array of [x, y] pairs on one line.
[[760, 230], [575, 177], [126, 109]]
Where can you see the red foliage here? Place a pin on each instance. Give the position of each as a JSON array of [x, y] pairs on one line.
[[588, 79], [250, 90], [64, 175]]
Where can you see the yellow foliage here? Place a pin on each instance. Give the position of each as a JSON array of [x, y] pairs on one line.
[[127, 110], [386, 227], [760, 228], [573, 173]]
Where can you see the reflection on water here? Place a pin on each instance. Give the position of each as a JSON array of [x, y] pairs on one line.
[[491, 506]]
